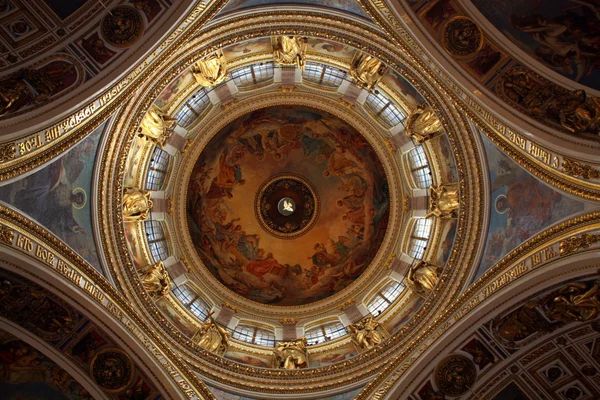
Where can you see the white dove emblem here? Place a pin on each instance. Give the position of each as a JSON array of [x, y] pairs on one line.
[[287, 206]]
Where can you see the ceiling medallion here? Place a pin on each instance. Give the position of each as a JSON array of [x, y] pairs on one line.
[[287, 206]]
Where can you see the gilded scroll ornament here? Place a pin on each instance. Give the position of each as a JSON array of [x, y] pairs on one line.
[[290, 50], [211, 70], [136, 204], [422, 124], [455, 375], [443, 202], [6, 235], [157, 126], [423, 277], [575, 243], [366, 70], [366, 333], [212, 337], [576, 169], [155, 280], [7, 151], [291, 355]]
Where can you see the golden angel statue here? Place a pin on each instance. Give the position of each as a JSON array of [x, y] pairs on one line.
[[443, 202], [212, 337], [422, 124], [290, 50], [288, 206], [291, 355], [211, 70], [157, 126], [155, 280], [136, 204], [366, 333], [366, 70], [423, 277]]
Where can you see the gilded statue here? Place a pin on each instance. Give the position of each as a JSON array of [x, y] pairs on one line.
[[211, 70], [422, 277], [136, 204], [290, 50], [422, 124], [155, 280], [366, 70], [443, 202], [290, 355], [582, 114], [212, 337], [366, 333], [574, 302], [157, 126]]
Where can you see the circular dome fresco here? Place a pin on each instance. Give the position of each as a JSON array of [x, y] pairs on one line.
[[287, 205]]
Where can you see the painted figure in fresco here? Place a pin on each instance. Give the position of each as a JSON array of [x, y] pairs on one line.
[[212, 337], [229, 174], [136, 204], [366, 333], [211, 70], [155, 280], [366, 70], [423, 277], [290, 50], [291, 355], [157, 126]]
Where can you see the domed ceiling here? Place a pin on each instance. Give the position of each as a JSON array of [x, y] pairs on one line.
[[287, 205]]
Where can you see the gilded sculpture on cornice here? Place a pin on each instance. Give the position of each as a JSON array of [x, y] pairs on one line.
[[423, 277], [155, 280], [422, 124], [366, 70], [366, 333], [136, 204], [211, 70], [582, 117], [443, 202], [291, 355], [290, 50], [212, 337], [157, 126], [574, 302]]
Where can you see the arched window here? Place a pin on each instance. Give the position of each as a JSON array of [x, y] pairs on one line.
[[325, 333], [157, 242], [323, 74], [385, 109], [157, 169], [252, 74], [254, 335], [385, 297], [192, 301], [192, 108], [419, 167], [420, 237]]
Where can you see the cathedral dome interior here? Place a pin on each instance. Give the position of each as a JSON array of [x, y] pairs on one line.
[[260, 199]]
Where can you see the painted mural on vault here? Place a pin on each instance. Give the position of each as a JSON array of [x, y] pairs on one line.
[[347, 176], [27, 374], [345, 5], [521, 206], [222, 395], [564, 35], [58, 197]]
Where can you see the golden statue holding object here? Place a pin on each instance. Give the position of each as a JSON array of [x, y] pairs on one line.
[[290, 50], [423, 277], [136, 204], [443, 202], [366, 70], [422, 124], [210, 71], [157, 126], [291, 355], [155, 280], [212, 337], [366, 333]]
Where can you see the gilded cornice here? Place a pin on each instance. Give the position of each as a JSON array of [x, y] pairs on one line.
[[32, 240]]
